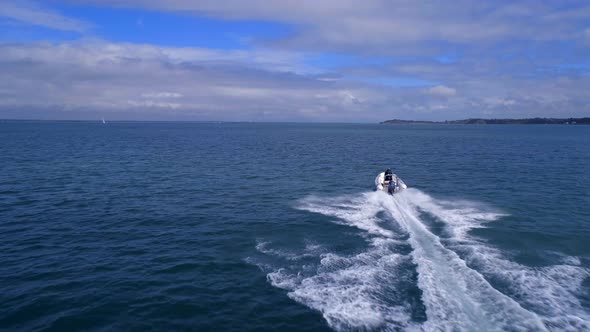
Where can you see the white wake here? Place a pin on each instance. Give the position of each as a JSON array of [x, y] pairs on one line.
[[362, 291]]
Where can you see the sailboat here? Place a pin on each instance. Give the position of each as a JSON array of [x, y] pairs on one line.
[[103, 121]]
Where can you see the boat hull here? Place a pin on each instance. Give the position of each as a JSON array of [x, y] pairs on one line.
[[401, 186]]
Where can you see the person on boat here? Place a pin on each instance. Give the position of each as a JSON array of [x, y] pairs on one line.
[[388, 175], [383, 179]]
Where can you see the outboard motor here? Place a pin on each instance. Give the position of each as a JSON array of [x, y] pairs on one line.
[[393, 187]]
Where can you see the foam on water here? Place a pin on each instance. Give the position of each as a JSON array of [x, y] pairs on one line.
[[455, 296], [358, 211], [360, 291], [551, 291], [350, 291], [310, 250]]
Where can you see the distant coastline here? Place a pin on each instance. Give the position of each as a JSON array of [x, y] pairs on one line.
[[568, 121]]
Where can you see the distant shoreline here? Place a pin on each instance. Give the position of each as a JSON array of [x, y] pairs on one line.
[[554, 121], [568, 121]]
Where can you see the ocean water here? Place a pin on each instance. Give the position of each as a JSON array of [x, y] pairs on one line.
[[275, 227]]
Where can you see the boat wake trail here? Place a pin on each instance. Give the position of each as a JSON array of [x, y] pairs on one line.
[[410, 278]]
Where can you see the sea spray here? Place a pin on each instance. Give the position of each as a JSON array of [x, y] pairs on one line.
[[551, 291], [456, 297], [359, 291]]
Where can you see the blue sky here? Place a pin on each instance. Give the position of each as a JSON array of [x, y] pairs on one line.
[[343, 61]]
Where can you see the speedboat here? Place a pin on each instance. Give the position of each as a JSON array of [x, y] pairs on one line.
[[383, 185]]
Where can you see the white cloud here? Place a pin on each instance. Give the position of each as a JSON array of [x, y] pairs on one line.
[[154, 104], [161, 95], [93, 53], [31, 13], [495, 101], [442, 91], [276, 80], [203, 84], [199, 83], [381, 26]]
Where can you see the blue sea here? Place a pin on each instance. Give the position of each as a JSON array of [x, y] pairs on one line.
[[275, 227]]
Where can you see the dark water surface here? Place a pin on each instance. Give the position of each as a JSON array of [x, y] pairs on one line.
[[274, 227]]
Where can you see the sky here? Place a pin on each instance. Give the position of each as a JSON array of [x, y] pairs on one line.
[[293, 60]]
